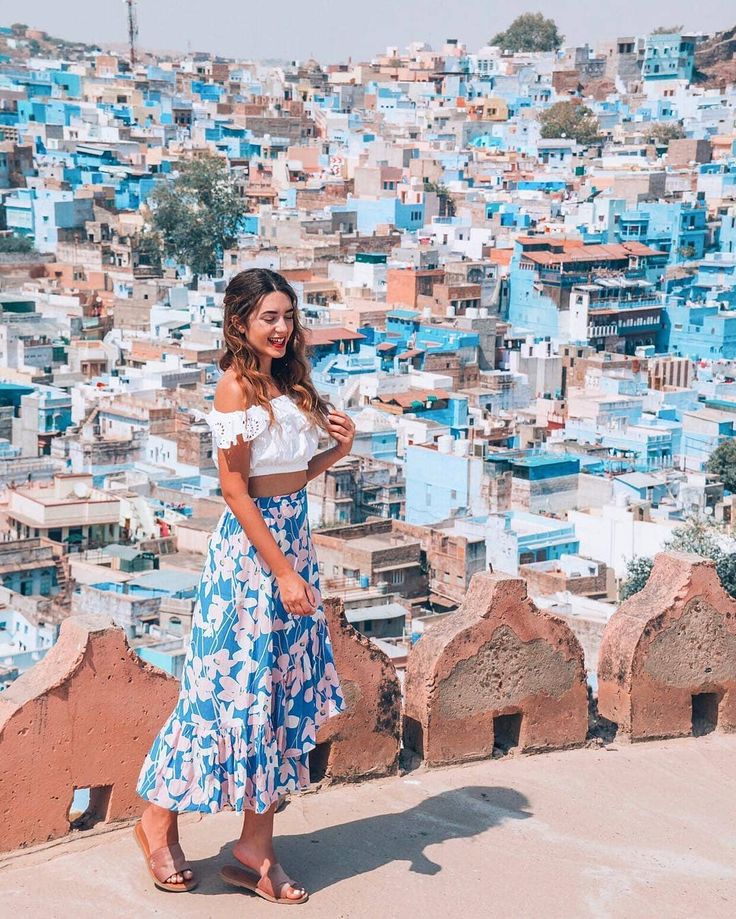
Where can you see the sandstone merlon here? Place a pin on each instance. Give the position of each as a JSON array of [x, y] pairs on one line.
[[363, 741], [668, 657], [83, 717], [496, 673]]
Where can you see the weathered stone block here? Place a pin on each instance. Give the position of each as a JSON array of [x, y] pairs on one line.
[[83, 717], [668, 657], [363, 741], [497, 670]]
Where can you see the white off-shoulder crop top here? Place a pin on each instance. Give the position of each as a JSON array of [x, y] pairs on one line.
[[286, 446]]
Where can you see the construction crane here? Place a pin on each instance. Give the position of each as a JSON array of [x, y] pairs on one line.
[[132, 29]]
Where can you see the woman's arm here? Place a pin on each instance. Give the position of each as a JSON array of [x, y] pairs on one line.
[[234, 469], [339, 426], [322, 461]]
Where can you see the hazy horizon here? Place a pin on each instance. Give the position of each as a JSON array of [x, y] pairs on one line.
[[359, 32]]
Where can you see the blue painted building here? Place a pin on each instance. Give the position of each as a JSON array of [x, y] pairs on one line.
[[700, 331], [440, 483], [371, 213], [679, 228], [668, 56], [520, 538], [544, 271], [413, 341]]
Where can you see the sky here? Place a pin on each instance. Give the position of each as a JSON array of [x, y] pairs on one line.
[[333, 30]]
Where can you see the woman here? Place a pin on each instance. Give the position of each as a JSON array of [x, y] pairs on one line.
[[259, 678]]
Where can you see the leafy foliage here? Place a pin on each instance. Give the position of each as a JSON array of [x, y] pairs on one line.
[[664, 132], [722, 462], [15, 244], [197, 213], [638, 570], [447, 203], [529, 32], [149, 249], [570, 119], [701, 537]]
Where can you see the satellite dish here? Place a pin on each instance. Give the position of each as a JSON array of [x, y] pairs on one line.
[[81, 490]]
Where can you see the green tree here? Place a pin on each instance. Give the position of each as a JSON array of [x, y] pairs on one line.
[[663, 133], [148, 248], [446, 201], [722, 462], [638, 570], [197, 213], [529, 32], [667, 30], [570, 119], [15, 244], [701, 537]]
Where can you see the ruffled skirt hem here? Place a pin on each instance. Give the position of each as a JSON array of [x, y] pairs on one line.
[[224, 769]]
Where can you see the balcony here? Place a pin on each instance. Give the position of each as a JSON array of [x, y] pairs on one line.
[[588, 824]]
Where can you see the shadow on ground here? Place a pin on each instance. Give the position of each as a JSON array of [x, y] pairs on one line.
[[327, 856]]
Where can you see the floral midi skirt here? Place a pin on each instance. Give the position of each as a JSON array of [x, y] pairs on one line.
[[257, 681]]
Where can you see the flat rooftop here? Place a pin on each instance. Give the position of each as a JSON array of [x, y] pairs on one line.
[[595, 832], [377, 542]]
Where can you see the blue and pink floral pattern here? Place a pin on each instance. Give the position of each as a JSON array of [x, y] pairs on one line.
[[257, 681]]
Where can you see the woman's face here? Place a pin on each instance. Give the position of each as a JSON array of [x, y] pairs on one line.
[[271, 325]]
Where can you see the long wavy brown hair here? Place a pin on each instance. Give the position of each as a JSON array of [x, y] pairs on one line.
[[292, 372]]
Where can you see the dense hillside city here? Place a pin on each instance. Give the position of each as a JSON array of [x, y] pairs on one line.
[[516, 266]]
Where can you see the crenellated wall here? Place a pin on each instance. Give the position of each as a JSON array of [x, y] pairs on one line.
[[496, 674], [83, 717], [667, 664]]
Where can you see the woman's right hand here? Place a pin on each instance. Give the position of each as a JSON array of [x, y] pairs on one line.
[[297, 595]]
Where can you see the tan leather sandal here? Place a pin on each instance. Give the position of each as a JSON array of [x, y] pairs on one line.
[[164, 863], [240, 876]]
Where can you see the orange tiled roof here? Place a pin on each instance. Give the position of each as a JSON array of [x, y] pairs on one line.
[[412, 352], [405, 399], [593, 253], [326, 335]]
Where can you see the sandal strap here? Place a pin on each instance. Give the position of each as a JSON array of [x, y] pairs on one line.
[[277, 890], [167, 861]]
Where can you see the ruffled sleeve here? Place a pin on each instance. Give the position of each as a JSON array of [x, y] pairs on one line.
[[228, 426]]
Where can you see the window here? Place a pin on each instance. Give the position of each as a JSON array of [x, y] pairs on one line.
[[397, 577]]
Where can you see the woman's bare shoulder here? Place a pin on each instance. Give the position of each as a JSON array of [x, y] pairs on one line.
[[232, 394]]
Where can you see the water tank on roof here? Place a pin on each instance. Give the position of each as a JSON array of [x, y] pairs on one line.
[[382, 587], [364, 580], [450, 311], [461, 447], [472, 312], [444, 443], [483, 312]]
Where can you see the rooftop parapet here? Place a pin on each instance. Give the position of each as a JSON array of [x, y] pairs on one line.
[[363, 741], [668, 657], [497, 672], [83, 717]]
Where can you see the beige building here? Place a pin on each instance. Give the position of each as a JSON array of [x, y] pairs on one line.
[[68, 510]]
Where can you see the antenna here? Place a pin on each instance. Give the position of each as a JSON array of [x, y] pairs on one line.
[[132, 29]]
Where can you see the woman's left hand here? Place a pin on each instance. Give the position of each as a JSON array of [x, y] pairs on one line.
[[342, 429]]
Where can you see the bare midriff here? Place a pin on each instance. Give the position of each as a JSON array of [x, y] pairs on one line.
[[284, 483]]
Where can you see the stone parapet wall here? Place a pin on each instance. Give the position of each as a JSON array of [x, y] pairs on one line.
[[496, 674], [497, 666], [667, 665]]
